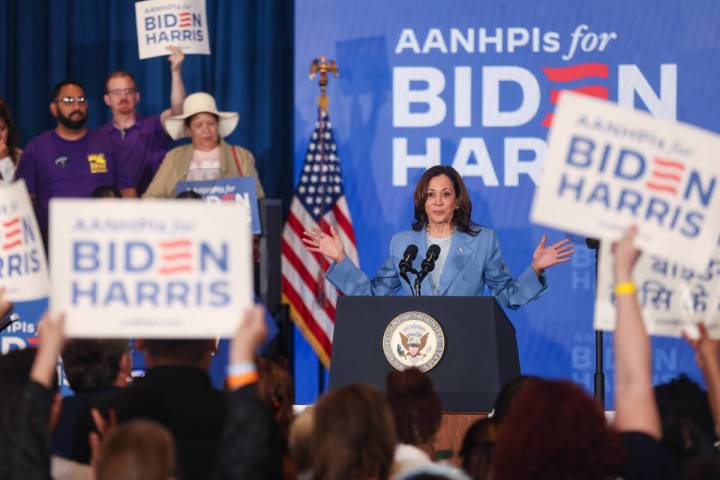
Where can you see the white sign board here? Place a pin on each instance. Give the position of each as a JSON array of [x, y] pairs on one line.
[[23, 268], [608, 167], [164, 23], [673, 298], [149, 268]]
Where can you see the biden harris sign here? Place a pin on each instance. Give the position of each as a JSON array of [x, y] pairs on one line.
[[153, 269], [164, 23], [608, 167]]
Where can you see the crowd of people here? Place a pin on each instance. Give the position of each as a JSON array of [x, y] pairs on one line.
[[130, 153], [172, 423]]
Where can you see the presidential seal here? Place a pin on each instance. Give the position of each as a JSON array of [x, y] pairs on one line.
[[413, 339]]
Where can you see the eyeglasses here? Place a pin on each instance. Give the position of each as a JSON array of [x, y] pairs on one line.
[[119, 92], [71, 100]]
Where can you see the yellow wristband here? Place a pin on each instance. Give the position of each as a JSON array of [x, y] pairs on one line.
[[625, 288]]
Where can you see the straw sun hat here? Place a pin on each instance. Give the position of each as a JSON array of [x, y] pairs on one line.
[[200, 102]]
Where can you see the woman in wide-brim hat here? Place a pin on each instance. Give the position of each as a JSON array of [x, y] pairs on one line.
[[208, 157]]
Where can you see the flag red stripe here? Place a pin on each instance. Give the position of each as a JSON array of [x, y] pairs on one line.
[[298, 229], [576, 72], [306, 277], [10, 223], [343, 222], [12, 233], [320, 335]]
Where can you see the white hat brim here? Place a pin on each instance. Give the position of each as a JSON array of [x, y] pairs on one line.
[[175, 126]]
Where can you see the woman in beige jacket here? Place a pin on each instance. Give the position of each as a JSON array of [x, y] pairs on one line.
[[208, 157]]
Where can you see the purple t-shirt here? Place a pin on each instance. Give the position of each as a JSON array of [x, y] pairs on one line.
[[144, 144], [53, 167]]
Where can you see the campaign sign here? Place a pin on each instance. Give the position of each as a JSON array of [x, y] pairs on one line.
[[164, 23], [149, 268], [673, 297], [23, 268], [240, 190], [608, 167]]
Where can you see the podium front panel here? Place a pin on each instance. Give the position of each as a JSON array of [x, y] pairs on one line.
[[480, 347]]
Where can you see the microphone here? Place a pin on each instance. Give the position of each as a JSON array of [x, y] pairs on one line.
[[405, 264], [427, 265]]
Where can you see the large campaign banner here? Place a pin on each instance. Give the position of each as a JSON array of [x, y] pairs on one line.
[[474, 85]]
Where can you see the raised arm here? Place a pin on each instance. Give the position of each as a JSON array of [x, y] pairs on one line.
[[706, 356], [177, 86], [635, 405]]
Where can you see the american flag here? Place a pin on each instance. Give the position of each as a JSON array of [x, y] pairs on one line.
[[319, 201]]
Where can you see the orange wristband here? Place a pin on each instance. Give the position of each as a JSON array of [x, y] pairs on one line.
[[236, 381]]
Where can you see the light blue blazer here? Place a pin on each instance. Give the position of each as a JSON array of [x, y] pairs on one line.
[[472, 264]]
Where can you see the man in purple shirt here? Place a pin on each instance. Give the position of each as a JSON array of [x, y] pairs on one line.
[[144, 137], [70, 160]]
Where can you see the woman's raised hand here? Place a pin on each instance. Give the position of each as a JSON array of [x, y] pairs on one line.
[[329, 245], [546, 256]]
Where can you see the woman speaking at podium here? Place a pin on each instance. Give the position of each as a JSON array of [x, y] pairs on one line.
[[469, 255]]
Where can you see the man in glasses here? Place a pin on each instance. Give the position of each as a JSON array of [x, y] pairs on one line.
[[70, 160], [145, 137]]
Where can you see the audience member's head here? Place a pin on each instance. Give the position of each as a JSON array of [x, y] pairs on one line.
[[300, 440], [415, 405], [137, 450], [554, 430], [275, 389], [507, 395], [106, 191], [8, 132], [14, 375], [68, 105], [91, 363], [353, 434], [121, 93], [688, 429], [177, 352], [478, 446]]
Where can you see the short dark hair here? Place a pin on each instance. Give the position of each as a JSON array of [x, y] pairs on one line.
[[92, 363], [189, 194], [15, 369], [188, 351], [56, 89], [117, 74]]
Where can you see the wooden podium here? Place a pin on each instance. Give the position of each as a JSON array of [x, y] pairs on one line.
[[480, 352]]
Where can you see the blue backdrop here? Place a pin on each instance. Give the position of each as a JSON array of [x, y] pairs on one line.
[[471, 84]]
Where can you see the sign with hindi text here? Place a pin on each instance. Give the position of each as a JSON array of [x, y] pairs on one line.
[[164, 23], [240, 190], [149, 268], [23, 268], [673, 297], [608, 167]]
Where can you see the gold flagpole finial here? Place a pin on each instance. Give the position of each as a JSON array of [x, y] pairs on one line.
[[322, 66]]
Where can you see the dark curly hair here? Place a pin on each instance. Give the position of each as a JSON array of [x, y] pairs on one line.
[[12, 140], [91, 363], [415, 404], [461, 216], [554, 430]]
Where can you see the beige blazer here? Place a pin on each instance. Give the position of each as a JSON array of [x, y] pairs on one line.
[[174, 168]]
